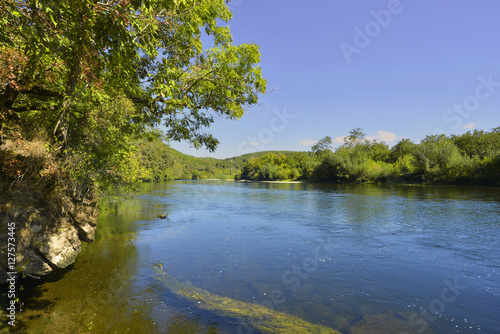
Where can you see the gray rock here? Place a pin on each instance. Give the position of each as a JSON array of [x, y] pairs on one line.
[[60, 248], [35, 264], [49, 227]]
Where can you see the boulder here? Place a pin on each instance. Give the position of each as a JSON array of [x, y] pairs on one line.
[[50, 227]]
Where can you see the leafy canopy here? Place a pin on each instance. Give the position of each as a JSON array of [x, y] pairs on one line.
[[323, 145], [93, 75]]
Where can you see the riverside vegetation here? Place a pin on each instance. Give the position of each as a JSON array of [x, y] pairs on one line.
[[84, 87], [471, 158], [82, 81], [160, 162]]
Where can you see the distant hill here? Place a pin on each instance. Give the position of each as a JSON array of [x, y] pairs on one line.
[[249, 156], [470, 158], [161, 162]]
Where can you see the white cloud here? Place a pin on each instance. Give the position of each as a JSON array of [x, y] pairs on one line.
[[470, 126], [308, 142], [339, 140], [253, 143], [384, 136]]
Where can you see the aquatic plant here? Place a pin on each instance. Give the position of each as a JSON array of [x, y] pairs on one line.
[[254, 316]]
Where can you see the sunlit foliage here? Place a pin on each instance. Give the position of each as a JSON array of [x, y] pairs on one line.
[[88, 78], [471, 158]]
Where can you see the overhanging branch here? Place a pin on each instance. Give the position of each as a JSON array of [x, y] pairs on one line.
[[41, 92]]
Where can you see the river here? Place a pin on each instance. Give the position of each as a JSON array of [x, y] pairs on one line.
[[355, 258]]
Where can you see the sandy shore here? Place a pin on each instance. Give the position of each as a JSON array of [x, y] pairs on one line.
[[270, 181]]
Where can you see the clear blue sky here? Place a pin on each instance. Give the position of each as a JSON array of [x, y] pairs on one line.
[[396, 69]]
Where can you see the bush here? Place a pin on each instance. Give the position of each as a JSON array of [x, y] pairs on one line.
[[438, 159], [404, 147]]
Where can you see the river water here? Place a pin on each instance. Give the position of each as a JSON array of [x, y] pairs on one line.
[[356, 258]]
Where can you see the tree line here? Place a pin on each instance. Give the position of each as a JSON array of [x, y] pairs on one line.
[[160, 162], [470, 158]]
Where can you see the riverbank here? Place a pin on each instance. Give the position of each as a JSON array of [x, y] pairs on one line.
[[271, 181]]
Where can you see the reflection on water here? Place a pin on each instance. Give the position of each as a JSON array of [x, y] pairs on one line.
[[351, 257], [95, 292]]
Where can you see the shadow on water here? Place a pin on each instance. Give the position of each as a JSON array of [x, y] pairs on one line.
[[35, 302], [97, 294]]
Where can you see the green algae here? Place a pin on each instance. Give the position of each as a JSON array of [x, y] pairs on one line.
[[254, 316], [388, 323]]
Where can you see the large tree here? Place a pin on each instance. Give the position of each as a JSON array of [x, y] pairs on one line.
[[323, 146], [91, 76], [356, 136]]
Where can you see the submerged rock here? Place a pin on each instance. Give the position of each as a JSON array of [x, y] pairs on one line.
[[387, 323], [249, 316]]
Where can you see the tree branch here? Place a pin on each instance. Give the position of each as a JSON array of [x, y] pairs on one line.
[[41, 92]]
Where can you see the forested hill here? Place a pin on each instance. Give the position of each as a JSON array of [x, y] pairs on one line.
[[161, 162], [471, 158]]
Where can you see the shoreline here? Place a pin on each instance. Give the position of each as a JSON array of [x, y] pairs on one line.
[[250, 181]]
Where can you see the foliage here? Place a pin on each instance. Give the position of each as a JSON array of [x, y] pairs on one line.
[[93, 77], [162, 162], [324, 145], [273, 166], [466, 159], [403, 148], [356, 136], [478, 143], [437, 158], [378, 151]]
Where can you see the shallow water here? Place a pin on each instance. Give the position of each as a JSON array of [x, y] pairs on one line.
[[356, 258]]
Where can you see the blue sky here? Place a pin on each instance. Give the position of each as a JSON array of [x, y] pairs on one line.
[[397, 69]]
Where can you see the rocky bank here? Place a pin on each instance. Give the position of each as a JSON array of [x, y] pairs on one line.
[[50, 226]]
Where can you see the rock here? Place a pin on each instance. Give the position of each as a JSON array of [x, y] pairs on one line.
[[50, 226], [34, 264], [61, 247], [386, 323], [84, 217], [162, 216], [320, 311]]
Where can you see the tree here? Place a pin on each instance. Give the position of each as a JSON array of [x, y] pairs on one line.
[[479, 143], [377, 151], [438, 159], [402, 148], [93, 76], [356, 136], [322, 146]]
